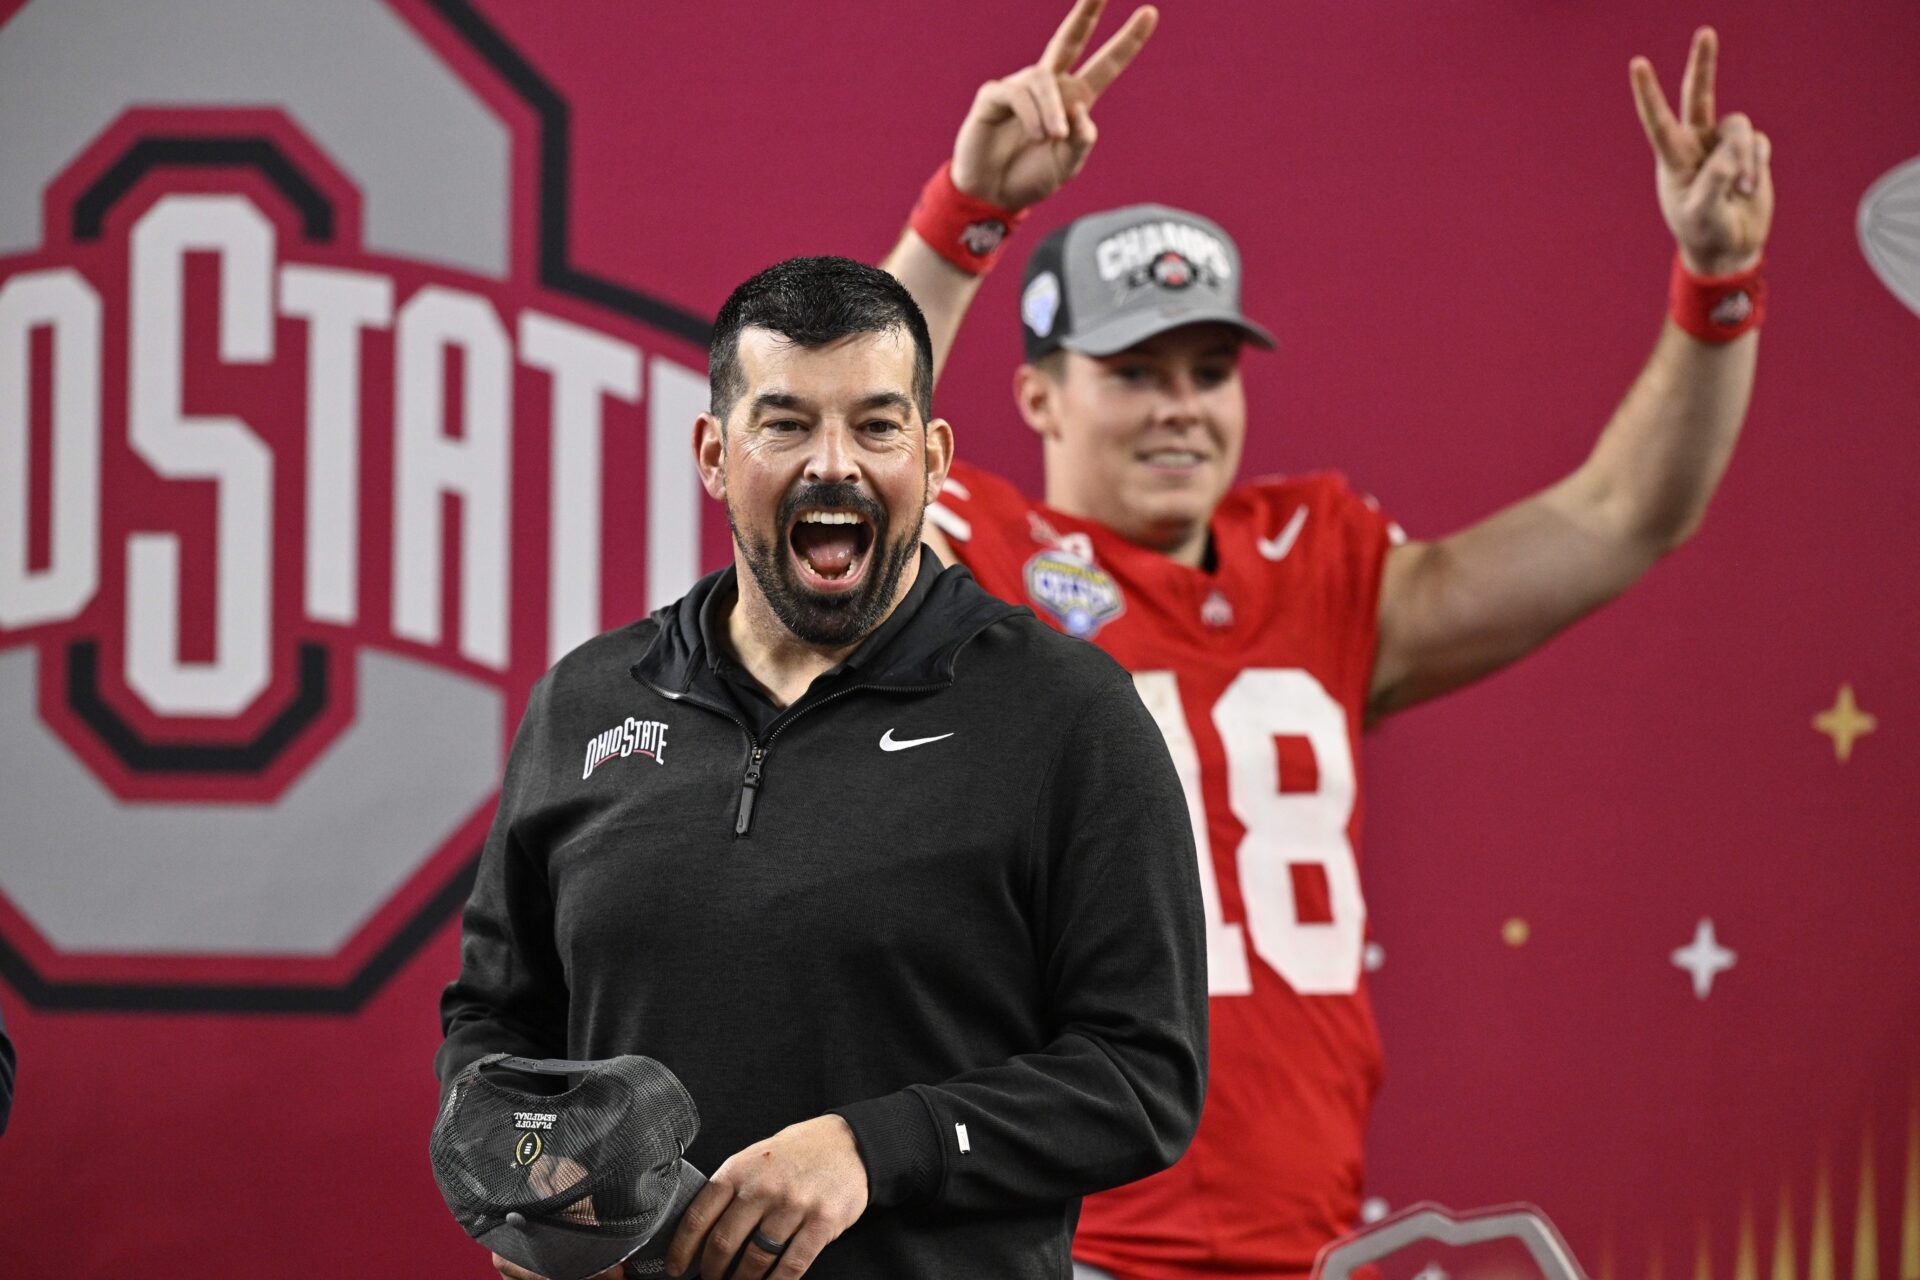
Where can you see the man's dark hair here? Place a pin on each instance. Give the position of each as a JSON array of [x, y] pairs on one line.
[[811, 302], [1053, 364]]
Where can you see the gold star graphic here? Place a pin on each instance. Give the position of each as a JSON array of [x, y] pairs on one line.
[[1844, 722]]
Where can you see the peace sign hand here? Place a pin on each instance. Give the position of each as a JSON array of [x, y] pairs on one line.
[[1030, 132], [1713, 176]]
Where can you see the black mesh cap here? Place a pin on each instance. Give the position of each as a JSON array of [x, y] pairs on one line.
[[567, 1168]]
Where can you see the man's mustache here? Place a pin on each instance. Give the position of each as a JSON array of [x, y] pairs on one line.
[[844, 497]]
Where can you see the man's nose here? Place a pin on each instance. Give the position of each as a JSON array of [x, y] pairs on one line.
[[1180, 403], [832, 459]]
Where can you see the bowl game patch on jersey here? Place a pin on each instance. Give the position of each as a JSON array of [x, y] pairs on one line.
[[1073, 590]]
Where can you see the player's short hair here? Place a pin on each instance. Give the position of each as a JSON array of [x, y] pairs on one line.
[[1053, 364], [811, 302]]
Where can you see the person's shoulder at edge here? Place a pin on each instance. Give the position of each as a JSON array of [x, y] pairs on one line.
[[7, 1062]]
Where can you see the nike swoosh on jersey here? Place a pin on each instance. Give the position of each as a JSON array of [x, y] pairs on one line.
[[889, 743], [1277, 548]]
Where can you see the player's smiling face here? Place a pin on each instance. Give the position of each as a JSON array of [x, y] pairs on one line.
[[825, 467], [1146, 441]]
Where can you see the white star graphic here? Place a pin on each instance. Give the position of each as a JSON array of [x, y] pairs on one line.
[[1704, 957], [1432, 1271]]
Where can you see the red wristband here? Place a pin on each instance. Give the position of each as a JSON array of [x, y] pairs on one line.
[[1717, 308], [967, 232]]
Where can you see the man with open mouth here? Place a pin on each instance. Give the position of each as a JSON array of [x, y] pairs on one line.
[[915, 1042]]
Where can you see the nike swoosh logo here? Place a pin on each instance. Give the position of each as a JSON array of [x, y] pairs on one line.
[[1277, 548], [889, 743]]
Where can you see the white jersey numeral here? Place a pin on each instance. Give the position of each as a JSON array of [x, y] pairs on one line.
[[1285, 829], [1226, 949]]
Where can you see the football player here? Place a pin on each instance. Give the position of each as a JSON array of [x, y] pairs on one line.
[[1267, 623]]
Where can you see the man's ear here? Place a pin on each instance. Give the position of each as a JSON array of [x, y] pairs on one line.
[[939, 455], [1036, 395], [710, 455]]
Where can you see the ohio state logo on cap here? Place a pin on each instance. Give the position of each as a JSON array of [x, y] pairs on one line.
[[301, 486], [1171, 270]]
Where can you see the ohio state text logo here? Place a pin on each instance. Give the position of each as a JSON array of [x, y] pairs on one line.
[[309, 440], [630, 737]]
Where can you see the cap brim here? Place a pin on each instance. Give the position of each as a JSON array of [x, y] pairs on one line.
[[564, 1253], [1124, 330]]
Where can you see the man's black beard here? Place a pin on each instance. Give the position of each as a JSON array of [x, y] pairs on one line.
[[836, 620]]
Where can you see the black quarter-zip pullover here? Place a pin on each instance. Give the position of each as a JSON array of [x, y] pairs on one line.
[[950, 895]]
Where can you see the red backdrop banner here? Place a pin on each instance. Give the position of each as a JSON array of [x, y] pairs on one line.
[[348, 362]]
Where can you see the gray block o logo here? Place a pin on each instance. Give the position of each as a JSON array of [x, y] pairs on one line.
[[254, 693]]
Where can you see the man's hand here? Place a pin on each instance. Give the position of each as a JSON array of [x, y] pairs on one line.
[[510, 1272], [1023, 138], [1716, 189], [1030, 132], [800, 1188], [551, 1175]]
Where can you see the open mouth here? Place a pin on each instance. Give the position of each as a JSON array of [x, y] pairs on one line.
[[831, 546]]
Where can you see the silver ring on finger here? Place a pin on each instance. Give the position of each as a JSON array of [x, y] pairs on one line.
[[767, 1244]]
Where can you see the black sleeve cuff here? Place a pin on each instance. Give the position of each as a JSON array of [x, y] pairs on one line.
[[899, 1145]]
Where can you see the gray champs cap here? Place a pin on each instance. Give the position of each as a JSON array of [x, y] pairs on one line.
[[1108, 280]]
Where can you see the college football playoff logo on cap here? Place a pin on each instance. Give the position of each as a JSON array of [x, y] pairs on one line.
[[1040, 303], [308, 375]]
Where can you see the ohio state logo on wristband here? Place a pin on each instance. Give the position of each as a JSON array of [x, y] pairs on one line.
[[1716, 308], [982, 238], [965, 230], [1732, 309]]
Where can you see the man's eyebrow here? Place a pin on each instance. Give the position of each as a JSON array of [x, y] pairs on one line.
[[779, 400], [788, 400], [885, 400]]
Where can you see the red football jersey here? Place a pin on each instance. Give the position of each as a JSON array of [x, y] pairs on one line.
[[1257, 673]]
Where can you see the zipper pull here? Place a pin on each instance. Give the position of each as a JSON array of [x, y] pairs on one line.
[[749, 785]]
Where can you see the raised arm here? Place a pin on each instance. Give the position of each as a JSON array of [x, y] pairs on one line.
[[1024, 136], [1461, 607]]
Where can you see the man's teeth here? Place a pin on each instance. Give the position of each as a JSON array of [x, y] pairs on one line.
[[829, 517], [1174, 458]]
